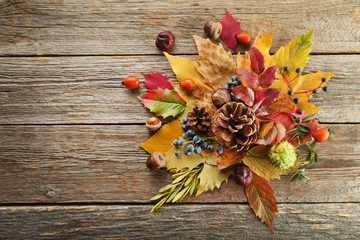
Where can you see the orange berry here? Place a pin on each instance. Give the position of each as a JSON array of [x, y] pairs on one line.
[[243, 38], [321, 135], [131, 82], [188, 84]]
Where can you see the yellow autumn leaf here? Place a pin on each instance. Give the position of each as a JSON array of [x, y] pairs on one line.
[[217, 65], [186, 68], [174, 163], [163, 139], [258, 161], [210, 177]]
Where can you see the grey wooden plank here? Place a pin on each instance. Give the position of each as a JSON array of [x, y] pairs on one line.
[[56, 90], [186, 221], [103, 163], [130, 27]]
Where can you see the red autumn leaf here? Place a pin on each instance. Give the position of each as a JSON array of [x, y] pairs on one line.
[[286, 119], [249, 77], [156, 80], [231, 27], [271, 133], [267, 78], [245, 94], [257, 60], [261, 198], [268, 97]]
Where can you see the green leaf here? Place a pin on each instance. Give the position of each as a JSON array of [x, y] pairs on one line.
[[309, 118], [306, 129], [295, 177], [294, 137], [164, 102], [292, 131], [304, 178]]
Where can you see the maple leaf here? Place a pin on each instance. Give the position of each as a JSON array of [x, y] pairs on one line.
[[271, 133], [258, 161], [164, 102], [231, 27], [217, 66], [261, 198], [226, 159], [156, 80], [174, 163], [185, 68], [210, 177], [286, 119], [162, 140]]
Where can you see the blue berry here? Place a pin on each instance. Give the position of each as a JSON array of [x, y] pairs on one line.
[[190, 148], [197, 150], [181, 143], [298, 70], [185, 136], [233, 78], [184, 120], [176, 143], [196, 139], [325, 88], [230, 83], [227, 87], [290, 92], [298, 120], [300, 111], [190, 133], [177, 153], [184, 127], [210, 147], [232, 94], [323, 79], [219, 150], [187, 153], [204, 145], [236, 83], [315, 91], [286, 68], [296, 100]]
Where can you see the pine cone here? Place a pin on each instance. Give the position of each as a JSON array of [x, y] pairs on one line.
[[235, 126], [199, 119]]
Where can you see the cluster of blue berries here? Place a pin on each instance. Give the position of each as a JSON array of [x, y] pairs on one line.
[[197, 143], [234, 82]]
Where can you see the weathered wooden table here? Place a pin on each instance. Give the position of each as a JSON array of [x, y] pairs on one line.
[[70, 164]]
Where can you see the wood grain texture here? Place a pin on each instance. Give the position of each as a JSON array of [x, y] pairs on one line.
[[58, 27], [185, 221], [48, 90], [62, 164]]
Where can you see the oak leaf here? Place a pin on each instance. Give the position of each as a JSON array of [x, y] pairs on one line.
[[210, 177], [261, 198], [217, 66], [156, 80], [164, 102], [230, 28], [162, 140], [258, 161]]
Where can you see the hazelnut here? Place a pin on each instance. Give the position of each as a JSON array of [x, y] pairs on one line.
[[153, 124], [213, 29], [165, 41], [221, 97], [156, 161]]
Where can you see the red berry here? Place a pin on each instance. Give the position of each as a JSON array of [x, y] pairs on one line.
[[131, 82], [188, 84], [242, 175], [321, 135], [243, 38]]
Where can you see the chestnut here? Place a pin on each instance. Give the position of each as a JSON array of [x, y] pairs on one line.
[[213, 29], [156, 161], [165, 41], [242, 175], [221, 97]]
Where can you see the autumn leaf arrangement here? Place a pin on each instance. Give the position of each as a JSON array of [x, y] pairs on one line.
[[248, 119]]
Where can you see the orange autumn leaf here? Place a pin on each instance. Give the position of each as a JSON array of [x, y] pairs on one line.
[[163, 139], [226, 159]]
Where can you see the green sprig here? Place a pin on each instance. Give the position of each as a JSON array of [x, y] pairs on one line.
[[300, 130], [184, 183]]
